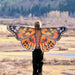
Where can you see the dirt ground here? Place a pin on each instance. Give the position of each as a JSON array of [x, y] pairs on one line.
[[20, 63]]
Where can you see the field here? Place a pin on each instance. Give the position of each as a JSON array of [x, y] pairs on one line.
[[20, 63], [15, 60]]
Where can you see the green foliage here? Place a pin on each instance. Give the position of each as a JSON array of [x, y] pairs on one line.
[[10, 8], [6, 2], [37, 11], [70, 6]]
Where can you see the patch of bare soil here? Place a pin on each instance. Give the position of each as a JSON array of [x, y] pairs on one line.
[[68, 72], [20, 63]]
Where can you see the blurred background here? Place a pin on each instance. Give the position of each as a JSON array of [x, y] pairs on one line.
[[14, 59]]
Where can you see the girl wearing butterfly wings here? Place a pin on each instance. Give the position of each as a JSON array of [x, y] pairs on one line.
[[37, 40]]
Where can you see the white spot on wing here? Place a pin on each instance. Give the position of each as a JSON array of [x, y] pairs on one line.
[[46, 44], [60, 31], [11, 27], [43, 48], [32, 48], [15, 31], [58, 28], [63, 29], [17, 28]]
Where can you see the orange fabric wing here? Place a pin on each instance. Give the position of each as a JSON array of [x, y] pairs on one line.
[[21, 32], [25, 34], [49, 36], [29, 43], [46, 43]]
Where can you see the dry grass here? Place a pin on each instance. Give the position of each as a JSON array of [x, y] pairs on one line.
[[20, 63], [17, 61]]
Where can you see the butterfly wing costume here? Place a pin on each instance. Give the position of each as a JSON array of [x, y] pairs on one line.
[[37, 38]]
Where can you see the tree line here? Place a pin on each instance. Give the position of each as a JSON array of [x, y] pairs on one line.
[[36, 10]]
